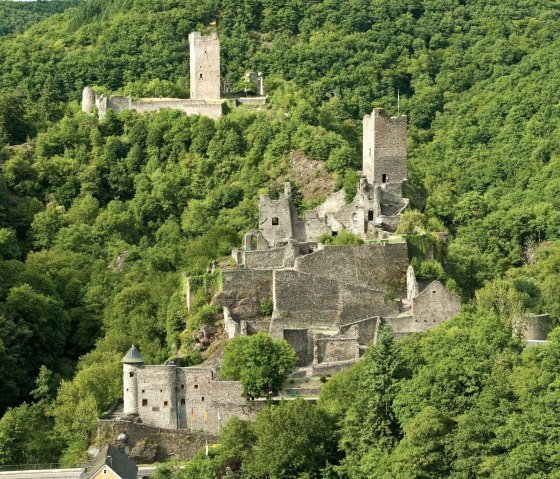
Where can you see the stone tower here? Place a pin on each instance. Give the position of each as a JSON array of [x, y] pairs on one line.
[[205, 66], [385, 152], [88, 100], [132, 362]]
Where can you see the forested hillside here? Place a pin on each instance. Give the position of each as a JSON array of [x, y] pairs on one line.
[[99, 218], [15, 17]]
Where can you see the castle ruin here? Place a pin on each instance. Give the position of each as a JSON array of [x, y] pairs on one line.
[[328, 302], [205, 87]]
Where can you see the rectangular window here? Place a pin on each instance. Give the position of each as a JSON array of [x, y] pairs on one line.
[[165, 403], [144, 402], [202, 399], [143, 390], [131, 374], [275, 221], [196, 386], [370, 215], [383, 178], [182, 386], [183, 401]]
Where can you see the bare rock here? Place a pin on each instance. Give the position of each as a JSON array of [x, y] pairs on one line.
[[143, 452]]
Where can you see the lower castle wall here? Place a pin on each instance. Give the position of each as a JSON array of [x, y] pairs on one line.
[[180, 444]]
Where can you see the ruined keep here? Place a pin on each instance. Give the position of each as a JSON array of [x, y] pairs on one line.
[[205, 98], [171, 397], [329, 302], [204, 66]]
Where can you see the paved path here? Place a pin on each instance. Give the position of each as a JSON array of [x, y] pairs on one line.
[[143, 471]]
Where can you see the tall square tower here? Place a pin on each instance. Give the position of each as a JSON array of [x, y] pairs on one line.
[[385, 152], [205, 66]]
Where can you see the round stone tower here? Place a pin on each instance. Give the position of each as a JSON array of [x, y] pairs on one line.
[[132, 362], [88, 99]]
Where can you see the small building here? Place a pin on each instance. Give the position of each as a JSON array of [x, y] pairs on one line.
[[110, 463]]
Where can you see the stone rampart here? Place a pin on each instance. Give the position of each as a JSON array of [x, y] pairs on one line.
[[379, 267], [181, 444], [268, 258]]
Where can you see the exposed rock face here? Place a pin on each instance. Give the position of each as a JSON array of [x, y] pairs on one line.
[[144, 452]]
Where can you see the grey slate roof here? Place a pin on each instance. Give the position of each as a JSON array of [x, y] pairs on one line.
[[133, 356], [111, 456]]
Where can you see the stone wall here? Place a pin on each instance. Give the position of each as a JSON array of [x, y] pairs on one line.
[[157, 396], [358, 303], [379, 267], [302, 301], [90, 100], [213, 109], [268, 258], [243, 291], [181, 444], [534, 327], [385, 149], [435, 304]]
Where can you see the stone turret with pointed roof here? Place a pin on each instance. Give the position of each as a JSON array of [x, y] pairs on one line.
[[132, 362], [133, 356]]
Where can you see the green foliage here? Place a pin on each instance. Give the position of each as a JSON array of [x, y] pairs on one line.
[[304, 442], [343, 237], [97, 219], [266, 307], [260, 363]]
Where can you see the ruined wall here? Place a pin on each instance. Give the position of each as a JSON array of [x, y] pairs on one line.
[[379, 267], [180, 444], [91, 100], [534, 327], [227, 400], [268, 258], [357, 303], [385, 149], [365, 328], [275, 219], [340, 347], [435, 304], [332, 204], [302, 301], [243, 291], [189, 107], [204, 66], [314, 226]]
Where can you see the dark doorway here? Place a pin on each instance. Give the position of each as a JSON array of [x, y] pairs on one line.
[[370, 215], [383, 178]]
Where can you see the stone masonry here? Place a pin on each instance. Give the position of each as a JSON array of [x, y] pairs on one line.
[[329, 302], [205, 98], [172, 397]]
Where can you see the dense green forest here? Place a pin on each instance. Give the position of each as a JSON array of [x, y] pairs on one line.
[[15, 17], [99, 218]]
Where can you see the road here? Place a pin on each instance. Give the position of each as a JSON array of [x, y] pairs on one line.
[[143, 471]]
